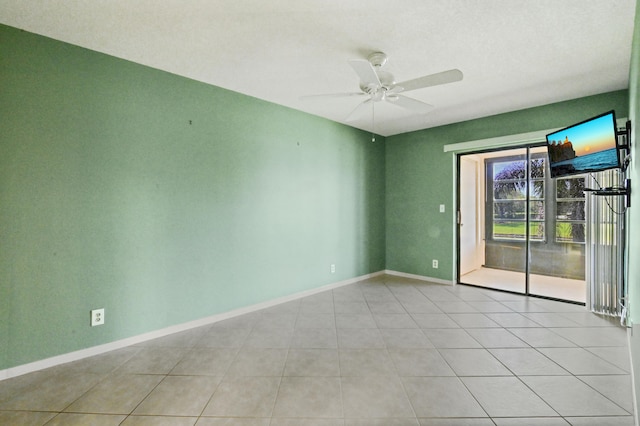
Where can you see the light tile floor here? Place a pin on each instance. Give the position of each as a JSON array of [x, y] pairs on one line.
[[540, 285], [382, 352]]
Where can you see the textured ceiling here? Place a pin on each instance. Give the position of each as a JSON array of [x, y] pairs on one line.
[[514, 54]]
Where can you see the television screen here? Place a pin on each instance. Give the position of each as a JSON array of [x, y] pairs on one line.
[[589, 146]]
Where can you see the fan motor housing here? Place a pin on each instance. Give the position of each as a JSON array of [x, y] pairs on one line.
[[377, 59]]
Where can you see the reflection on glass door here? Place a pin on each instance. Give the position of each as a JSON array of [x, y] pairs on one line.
[[557, 262], [519, 230], [506, 219]]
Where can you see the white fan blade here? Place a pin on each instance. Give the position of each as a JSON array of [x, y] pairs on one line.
[[443, 77], [365, 71], [414, 105], [332, 95], [358, 111]]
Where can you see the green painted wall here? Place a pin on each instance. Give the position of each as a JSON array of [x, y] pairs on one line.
[[420, 177], [633, 218], [634, 173], [163, 200]]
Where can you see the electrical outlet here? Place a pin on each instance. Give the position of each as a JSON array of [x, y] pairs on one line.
[[97, 317], [333, 268], [434, 264]]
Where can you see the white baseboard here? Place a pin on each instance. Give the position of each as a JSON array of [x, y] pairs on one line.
[[419, 277], [119, 344]]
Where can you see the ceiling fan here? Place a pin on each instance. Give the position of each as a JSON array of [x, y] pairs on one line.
[[380, 85]]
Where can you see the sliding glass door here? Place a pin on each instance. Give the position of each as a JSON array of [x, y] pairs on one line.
[[518, 229], [492, 209]]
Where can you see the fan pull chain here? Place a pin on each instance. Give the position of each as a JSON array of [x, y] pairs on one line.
[[373, 122]]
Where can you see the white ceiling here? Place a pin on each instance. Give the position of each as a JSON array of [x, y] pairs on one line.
[[514, 54]]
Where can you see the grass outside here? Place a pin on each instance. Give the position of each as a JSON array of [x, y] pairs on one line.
[[516, 230]]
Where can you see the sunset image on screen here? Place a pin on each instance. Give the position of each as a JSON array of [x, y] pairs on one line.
[[589, 138]]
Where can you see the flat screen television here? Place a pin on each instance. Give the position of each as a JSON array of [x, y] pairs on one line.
[[585, 147]]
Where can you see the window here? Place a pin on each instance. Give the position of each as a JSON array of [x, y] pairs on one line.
[[510, 186]]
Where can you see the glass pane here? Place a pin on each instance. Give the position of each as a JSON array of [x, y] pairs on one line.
[[537, 168], [570, 210], [536, 231], [536, 189], [509, 230], [570, 188], [515, 230], [509, 190], [504, 190], [493, 254], [536, 210], [509, 210], [556, 267], [567, 232], [509, 170]]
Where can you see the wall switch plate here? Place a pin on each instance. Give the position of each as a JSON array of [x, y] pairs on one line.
[[434, 264], [441, 208], [97, 317], [333, 268]]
